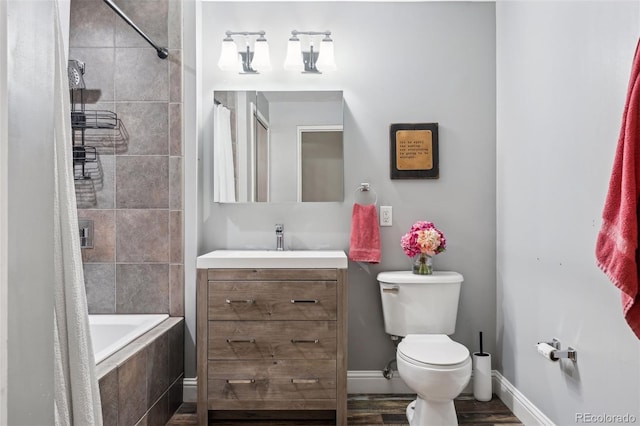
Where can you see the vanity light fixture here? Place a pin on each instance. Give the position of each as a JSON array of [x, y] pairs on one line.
[[312, 60], [245, 61]]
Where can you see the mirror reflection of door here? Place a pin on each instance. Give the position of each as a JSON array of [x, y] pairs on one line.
[[320, 163], [266, 151], [262, 160]]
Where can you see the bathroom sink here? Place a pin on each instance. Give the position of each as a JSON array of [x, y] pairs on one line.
[[272, 259]]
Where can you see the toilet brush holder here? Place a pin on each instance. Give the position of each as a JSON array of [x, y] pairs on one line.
[[482, 376]]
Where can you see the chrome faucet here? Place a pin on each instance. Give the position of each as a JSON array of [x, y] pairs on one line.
[[279, 236]]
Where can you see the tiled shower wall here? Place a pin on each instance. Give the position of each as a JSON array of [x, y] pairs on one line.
[[136, 263]]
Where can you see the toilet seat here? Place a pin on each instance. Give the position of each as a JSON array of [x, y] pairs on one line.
[[432, 350]]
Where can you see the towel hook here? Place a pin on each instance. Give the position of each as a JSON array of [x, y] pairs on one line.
[[365, 187]]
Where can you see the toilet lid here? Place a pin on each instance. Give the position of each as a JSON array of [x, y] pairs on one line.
[[433, 349]]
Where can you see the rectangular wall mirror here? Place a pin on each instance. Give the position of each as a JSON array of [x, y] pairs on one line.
[[278, 146]]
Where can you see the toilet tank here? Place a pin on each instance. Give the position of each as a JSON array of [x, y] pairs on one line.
[[419, 304]]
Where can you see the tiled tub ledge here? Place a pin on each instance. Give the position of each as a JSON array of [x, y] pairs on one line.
[[141, 384]]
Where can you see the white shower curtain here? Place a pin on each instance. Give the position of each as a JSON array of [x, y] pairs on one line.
[[77, 396], [223, 169]]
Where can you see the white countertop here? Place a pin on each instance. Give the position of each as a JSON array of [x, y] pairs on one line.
[[292, 259]]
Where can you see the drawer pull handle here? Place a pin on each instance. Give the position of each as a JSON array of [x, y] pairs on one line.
[[390, 289], [241, 381], [305, 341], [241, 340], [304, 301], [305, 381], [247, 301]]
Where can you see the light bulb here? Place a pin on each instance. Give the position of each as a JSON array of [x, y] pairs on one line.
[[261, 60], [293, 61], [228, 56], [326, 60]]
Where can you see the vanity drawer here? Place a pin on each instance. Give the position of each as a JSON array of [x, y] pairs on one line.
[[271, 274], [272, 340], [255, 381], [272, 300]]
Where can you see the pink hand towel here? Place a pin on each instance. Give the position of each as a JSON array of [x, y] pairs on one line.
[[616, 247], [365, 234]]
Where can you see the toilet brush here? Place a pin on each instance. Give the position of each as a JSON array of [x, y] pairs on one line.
[[482, 374]]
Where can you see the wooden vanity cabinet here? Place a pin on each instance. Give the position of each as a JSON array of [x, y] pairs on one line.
[[272, 339]]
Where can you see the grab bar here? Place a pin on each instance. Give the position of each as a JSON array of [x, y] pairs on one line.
[[163, 53]]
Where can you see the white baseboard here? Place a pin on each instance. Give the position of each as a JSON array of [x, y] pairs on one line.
[[373, 382], [190, 389], [519, 405]]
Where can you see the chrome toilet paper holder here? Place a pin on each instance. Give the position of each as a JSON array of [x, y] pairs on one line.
[[569, 353]]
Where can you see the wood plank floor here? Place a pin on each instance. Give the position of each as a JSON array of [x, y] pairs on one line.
[[375, 410]]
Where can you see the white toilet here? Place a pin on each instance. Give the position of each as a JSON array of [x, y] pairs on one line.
[[423, 310]]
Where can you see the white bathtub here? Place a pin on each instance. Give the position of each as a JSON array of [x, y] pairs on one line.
[[111, 333]]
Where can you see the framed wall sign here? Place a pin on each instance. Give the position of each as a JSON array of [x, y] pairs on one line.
[[414, 151]]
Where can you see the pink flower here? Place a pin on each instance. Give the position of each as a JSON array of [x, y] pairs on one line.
[[423, 237]]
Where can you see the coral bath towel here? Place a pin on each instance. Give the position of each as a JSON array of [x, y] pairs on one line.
[[617, 244], [365, 234]]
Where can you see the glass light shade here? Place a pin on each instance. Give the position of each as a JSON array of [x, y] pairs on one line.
[[326, 60], [228, 56], [293, 60], [261, 60]]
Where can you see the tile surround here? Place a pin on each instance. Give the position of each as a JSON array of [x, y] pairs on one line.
[[175, 129], [158, 367], [175, 75], [142, 288], [142, 235], [142, 383], [100, 284], [142, 182], [176, 353], [132, 390], [176, 290], [99, 68], [129, 269], [147, 126], [106, 193], [104, 225], [136, 265], [158, 414], [175, 232], [175, 25], [175, 183], [91, 24], [140, 75], [109, 397], [152, 16]]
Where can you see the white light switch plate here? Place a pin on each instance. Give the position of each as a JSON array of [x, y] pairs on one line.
[[386, 215]]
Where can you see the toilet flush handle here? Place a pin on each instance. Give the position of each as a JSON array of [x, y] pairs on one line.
[[393, 289]]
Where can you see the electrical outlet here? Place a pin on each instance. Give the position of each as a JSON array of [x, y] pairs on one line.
[[386, 215]]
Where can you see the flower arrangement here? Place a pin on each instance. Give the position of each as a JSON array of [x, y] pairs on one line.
[[426, 240]]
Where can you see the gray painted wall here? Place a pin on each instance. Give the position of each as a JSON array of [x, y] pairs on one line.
[[30, 65], [563, 70], [397, 63]]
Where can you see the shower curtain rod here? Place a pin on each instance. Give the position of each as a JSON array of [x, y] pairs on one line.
[[163, 53]]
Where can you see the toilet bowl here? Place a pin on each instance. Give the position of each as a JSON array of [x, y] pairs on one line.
[[437, 369]]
